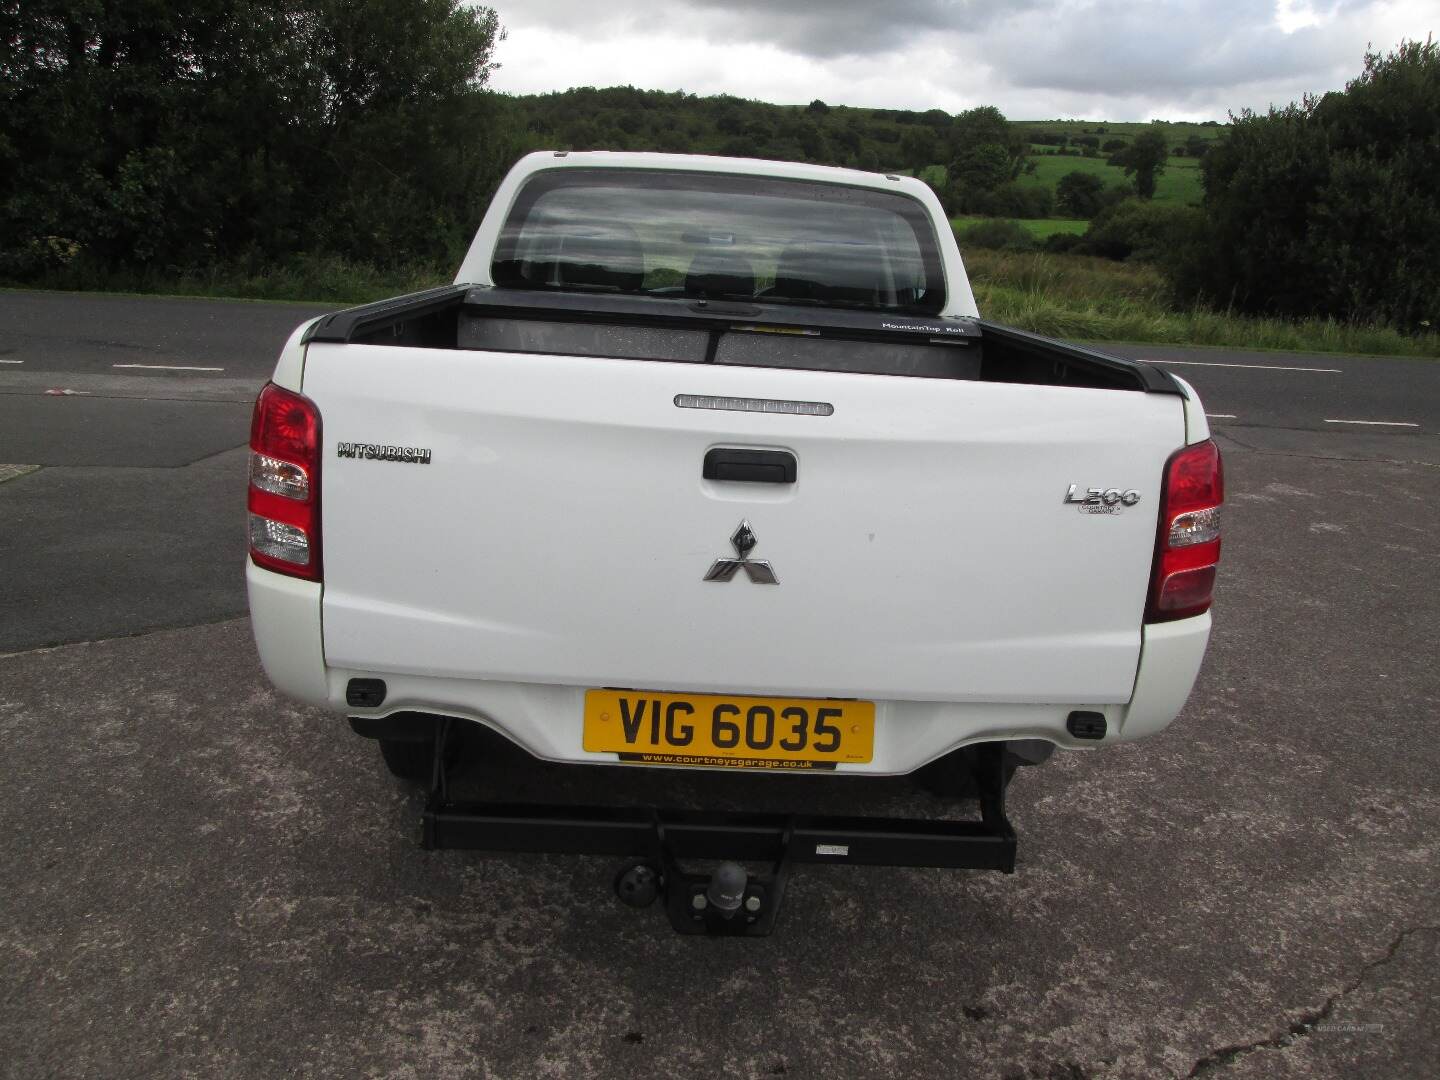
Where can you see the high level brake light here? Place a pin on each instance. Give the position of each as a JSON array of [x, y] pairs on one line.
[[1187, 547], [285, 483]]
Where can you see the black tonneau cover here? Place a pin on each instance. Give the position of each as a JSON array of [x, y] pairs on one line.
[[357, 322]]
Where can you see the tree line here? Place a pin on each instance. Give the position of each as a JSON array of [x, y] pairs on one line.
[[137, 134], [1328, 206], [244, 132]]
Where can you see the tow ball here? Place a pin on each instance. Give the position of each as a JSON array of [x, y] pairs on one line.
[[727, 902]]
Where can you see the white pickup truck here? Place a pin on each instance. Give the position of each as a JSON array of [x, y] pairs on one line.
[[706, 462]]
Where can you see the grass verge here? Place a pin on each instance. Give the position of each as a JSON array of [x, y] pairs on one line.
[[304, 278], [1064, 296], [1088, 299]]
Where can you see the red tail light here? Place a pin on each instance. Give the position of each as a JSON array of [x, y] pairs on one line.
[[285, 483], [1187, 547]]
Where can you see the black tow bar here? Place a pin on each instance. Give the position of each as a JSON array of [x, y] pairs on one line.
[[728, 901]]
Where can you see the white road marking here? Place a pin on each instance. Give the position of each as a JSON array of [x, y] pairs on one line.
[[12, 472], [12, 361], [1375, 423], [1221, 415], [1256, 367], [167, 367]]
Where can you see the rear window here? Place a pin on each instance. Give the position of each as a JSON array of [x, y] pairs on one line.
[[720, 237]]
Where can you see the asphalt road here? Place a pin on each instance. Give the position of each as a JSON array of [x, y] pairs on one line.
[[201, 878]]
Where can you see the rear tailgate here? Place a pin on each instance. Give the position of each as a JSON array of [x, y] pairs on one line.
[[561, 530]]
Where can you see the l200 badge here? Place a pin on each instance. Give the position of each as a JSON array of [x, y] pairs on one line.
[[1101, 500]]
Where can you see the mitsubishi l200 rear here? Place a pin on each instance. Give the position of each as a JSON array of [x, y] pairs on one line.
[[712, 463]]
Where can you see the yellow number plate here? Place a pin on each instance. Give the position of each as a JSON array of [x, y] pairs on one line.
[[738, 732]]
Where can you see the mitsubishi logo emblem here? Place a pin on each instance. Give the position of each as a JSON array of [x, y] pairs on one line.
[[743, 540]]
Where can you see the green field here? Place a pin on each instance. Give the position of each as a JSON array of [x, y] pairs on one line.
[[1039, 228], [1179, 183], [1105, 129]]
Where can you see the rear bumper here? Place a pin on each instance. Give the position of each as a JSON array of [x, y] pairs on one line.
[[545, 719]]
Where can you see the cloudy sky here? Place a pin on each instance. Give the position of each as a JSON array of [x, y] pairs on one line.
[[1035, 59]]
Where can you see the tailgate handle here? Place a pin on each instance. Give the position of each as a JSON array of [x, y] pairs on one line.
[[750, 466]]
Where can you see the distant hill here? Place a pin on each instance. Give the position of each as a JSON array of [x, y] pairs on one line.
[[624, 118]]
